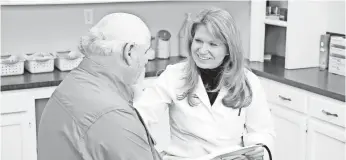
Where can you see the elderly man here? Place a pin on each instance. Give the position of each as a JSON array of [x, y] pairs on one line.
[[90, 114]]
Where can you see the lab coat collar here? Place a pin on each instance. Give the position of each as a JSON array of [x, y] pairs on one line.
[[201, 92], [203, 95], [109, 77]]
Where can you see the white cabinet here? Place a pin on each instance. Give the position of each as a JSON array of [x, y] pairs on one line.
[[308, 126], [18, 123], [18, 132], [290, 128], [326, 132], [296, 39], [325, 141], [14, 129]]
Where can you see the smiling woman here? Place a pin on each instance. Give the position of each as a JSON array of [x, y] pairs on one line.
[[214, 102], [213, 36], [207, 51]]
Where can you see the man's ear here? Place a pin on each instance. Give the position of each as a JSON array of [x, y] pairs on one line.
[[127, 53]]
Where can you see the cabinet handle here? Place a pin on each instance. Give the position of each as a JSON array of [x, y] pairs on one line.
[[284, 98], [329, 114]]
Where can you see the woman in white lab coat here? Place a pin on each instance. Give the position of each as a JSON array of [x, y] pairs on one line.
[[214, 102]]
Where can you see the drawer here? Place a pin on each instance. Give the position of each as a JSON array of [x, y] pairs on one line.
[[287, 96], [327, 109], [16, 102]]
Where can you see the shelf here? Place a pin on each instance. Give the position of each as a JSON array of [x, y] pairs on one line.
[[275, 22]]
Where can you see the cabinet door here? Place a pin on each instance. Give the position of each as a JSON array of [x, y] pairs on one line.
[[17, 127], [257, 31], [14, 139], [290, 131], [325, 141], [303, 33]]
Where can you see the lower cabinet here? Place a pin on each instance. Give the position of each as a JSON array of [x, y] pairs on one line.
[[308, 126], [325, 141], [18, 141], [290, 128], [13, 134]]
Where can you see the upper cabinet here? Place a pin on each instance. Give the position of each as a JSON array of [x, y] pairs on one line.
[[289, 29]]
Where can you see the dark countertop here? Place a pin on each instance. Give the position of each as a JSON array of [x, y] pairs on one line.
[[310, 79], [29, 80]]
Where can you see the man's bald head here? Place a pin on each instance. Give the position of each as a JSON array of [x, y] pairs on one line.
[[119, 42], [123, 27]]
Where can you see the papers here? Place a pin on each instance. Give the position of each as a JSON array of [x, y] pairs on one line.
[[228, 153]]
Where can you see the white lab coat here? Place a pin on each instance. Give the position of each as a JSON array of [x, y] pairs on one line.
[[200, 130]]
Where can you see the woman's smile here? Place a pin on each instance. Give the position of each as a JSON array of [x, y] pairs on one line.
[[203, 56]]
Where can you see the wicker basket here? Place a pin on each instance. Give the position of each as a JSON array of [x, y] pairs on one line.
[[11, 65], [67, 60], [39, 64]]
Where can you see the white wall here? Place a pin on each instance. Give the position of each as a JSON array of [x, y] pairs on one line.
[[49, 28], [336, 16]]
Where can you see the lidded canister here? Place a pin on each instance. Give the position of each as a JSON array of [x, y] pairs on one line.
[[163, 47]]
